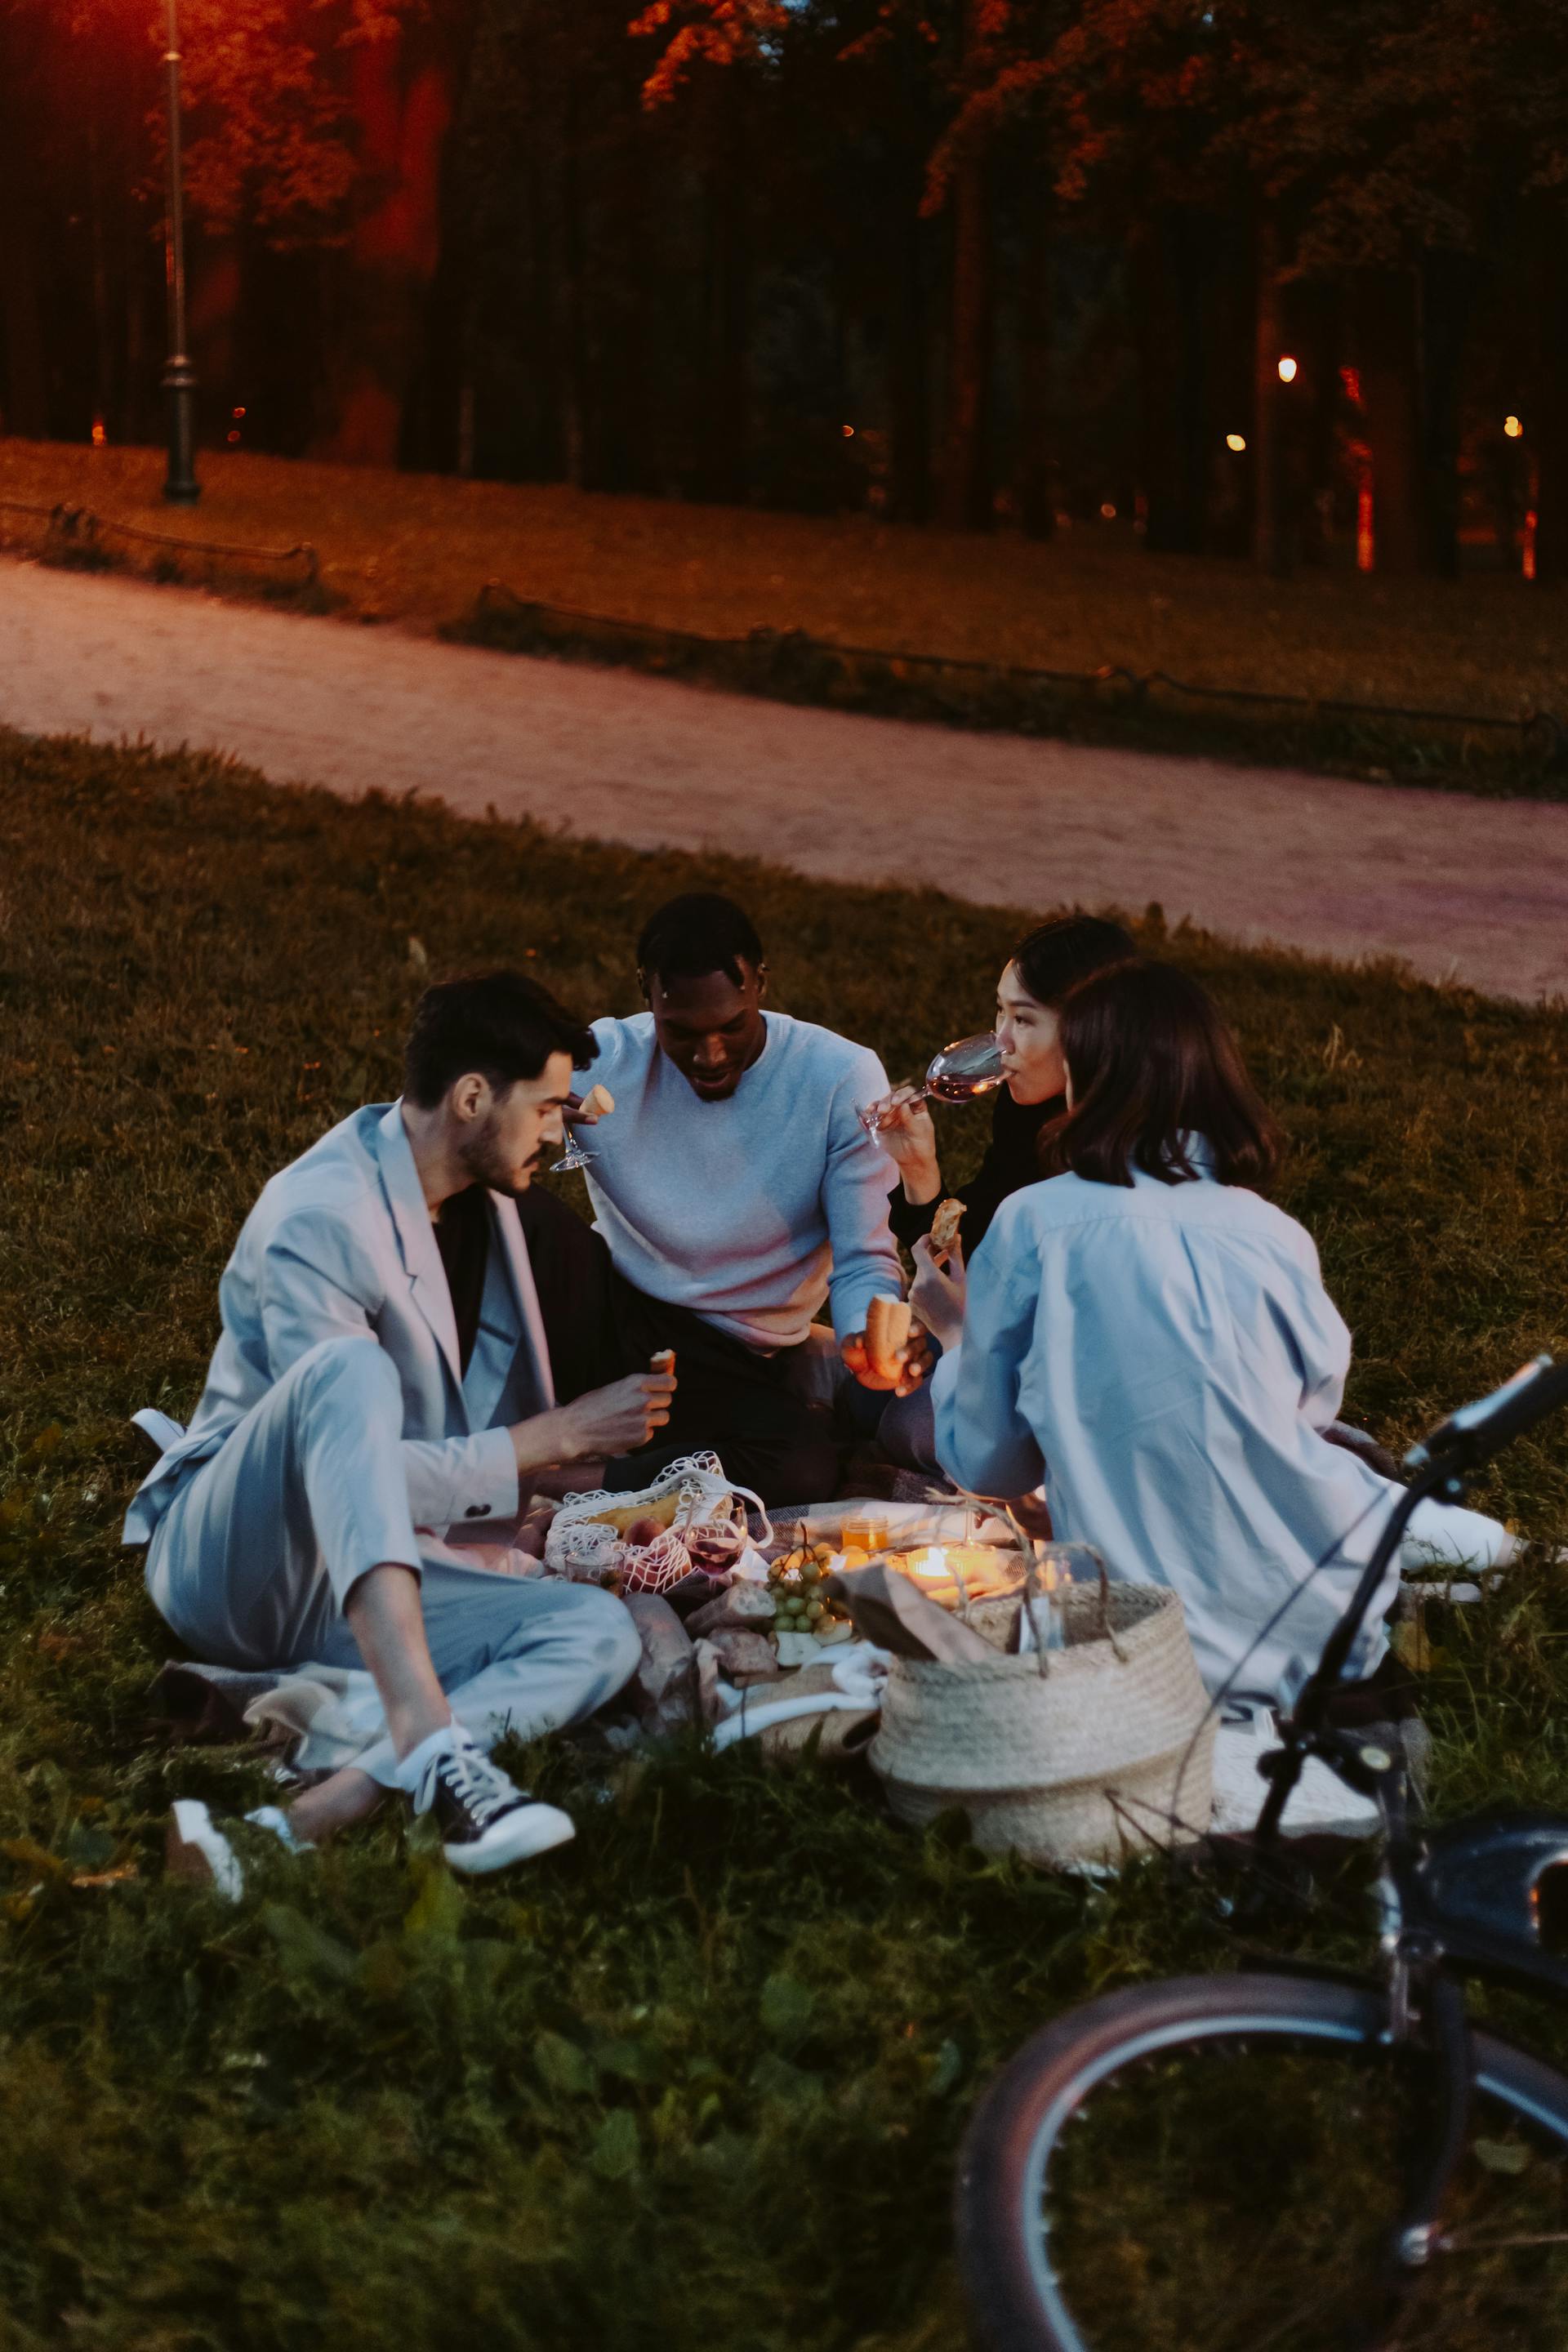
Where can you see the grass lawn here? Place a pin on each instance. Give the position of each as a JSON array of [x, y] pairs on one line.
[[696, 2081], [418, 548]]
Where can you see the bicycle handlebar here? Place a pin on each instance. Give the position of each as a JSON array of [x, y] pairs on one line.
[[1441, 1462], [1477, 1431]]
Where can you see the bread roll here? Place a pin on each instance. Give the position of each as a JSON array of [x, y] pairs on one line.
[[887, 1331], [944, 1225], [622, 1516]]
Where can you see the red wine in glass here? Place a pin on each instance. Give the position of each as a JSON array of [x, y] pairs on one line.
[[962, 1072]]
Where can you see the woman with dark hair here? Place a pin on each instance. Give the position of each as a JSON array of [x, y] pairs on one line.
[[1038, 974], [1145, 1333]]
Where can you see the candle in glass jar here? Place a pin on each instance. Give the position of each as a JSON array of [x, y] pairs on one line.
[[952, 1573]]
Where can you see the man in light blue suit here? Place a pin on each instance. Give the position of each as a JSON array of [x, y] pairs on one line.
[[382, 1383]]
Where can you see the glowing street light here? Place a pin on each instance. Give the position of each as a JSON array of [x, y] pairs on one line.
[[1286, 370], [1236, 441], [1512, 427], [180, 487]]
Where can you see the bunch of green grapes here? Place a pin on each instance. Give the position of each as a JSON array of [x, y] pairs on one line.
[[794, 1586]]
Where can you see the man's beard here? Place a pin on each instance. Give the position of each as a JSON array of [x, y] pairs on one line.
[[483, 1160]]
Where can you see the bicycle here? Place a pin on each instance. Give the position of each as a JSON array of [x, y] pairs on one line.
[[1210, 2161]]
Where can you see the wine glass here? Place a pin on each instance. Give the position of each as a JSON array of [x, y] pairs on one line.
[[576, 1157], [962, 1071]]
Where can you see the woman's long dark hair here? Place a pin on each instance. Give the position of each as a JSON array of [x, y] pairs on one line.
[[1154, 1068]]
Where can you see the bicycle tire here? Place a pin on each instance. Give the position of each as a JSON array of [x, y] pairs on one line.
[[1014, 2302]]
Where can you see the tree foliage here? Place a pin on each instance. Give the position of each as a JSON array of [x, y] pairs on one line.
[[986, 260]]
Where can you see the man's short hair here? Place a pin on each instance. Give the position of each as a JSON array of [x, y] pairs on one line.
[[695, 934], [501, 1024]]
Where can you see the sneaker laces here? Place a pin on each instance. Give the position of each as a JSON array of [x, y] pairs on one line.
[[481, 1787]]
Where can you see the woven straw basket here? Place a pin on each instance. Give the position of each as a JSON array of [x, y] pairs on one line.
[[1069, 1755]]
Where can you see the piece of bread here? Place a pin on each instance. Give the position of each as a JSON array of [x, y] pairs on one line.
[[944, 1225], [600, 1101], [662, 1361], [887, 1331], [620, 1515]]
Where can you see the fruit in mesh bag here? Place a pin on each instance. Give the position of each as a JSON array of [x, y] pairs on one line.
[[625, 1517], [653, 1567]]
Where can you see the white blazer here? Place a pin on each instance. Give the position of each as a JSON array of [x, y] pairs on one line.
[[341, 1246]]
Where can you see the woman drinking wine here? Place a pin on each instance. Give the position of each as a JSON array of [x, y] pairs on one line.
[[1037, 976], [1149, 1337]]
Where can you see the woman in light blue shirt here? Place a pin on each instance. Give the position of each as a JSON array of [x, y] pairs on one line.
[[1151, 1339]]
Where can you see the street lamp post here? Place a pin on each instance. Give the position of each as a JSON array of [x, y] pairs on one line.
[[181, 488]]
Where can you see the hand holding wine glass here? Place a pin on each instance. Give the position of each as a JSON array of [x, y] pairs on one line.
[[969, 1067], [904, 1128], [584, 1111]]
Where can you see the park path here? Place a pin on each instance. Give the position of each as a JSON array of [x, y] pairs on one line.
[[1473, 890]]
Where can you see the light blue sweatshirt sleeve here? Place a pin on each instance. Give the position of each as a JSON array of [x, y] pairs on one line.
[[854, 1187], [982, 1440]]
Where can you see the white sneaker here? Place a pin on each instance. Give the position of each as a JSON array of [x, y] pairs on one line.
[[1320, 1801], [195, 1848], [487, 1822]]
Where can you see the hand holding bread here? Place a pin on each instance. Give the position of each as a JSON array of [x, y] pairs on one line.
[[890, 1352], [886, 1334], [945, 1224]]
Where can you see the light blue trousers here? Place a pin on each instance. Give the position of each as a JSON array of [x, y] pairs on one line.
[[253, 1558]]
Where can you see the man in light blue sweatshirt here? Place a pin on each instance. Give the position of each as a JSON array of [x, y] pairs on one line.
[[737, 1194]]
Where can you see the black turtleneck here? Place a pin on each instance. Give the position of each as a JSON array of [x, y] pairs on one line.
[[1009, 1164]]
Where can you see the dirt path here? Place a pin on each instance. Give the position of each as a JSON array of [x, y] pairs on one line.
[[1468, 889]]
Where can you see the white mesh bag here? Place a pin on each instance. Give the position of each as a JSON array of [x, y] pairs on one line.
[[586, 1546]]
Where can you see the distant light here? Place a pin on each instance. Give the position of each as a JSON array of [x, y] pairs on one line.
[[1236, 441], [850, 432], [1286, 370], [1512, 427], [100, 433], [1109, 511], [233, 436], [237, 412]]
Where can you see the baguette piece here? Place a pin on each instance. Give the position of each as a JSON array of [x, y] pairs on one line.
[[944, 1225], [621, 1516], [887, 1331]]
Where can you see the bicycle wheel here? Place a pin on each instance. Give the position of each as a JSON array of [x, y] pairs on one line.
[[1231, 2177]]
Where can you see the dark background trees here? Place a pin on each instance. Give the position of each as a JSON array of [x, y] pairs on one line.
[[991, 263]]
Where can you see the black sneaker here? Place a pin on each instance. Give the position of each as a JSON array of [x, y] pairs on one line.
[[486, 1821]]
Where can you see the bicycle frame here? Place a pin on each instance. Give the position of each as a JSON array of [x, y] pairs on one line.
[[1458, 1902]]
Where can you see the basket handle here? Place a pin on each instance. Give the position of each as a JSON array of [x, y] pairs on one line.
[[1042, 1652], [1107, 1631]]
